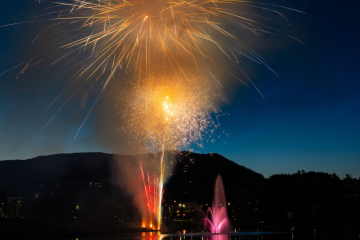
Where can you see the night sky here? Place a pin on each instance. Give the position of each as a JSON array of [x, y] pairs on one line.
[[309, 119]]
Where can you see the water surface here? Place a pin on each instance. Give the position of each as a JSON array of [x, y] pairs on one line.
[[229, 236]]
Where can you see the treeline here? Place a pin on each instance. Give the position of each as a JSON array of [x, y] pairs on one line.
[[304, 200]]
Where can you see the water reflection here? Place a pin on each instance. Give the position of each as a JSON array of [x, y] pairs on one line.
[[200, 236], [219, 237], [152, 236], [210, 236]]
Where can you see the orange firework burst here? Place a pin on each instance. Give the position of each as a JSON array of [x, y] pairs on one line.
[[142, 38], [138, 41]]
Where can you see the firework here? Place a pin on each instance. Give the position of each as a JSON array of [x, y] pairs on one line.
[[172, 117], [153, 49]]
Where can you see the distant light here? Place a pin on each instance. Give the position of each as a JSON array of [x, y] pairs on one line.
[[228, 204]]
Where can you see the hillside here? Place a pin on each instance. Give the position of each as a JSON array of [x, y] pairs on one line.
[[100, 191], [40, 174]]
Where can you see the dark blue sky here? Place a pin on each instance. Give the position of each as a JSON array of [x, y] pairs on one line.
[[309, 120]]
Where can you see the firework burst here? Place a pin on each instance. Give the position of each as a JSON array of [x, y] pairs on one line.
[[134, 40]]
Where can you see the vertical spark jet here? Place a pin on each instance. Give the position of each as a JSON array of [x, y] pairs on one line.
[[148, 200], [154, 194], [161, 185]]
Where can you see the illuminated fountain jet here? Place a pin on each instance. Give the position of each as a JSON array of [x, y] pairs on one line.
[[217, 220]]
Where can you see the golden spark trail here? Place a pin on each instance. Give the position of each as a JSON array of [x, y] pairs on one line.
[[161, 185]]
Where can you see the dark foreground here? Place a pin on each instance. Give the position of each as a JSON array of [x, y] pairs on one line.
[[85, 195]]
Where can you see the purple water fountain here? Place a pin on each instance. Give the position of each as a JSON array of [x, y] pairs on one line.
[[217, 220]]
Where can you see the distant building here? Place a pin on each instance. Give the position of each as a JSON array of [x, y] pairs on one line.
[[15, 204], [180, 211]]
